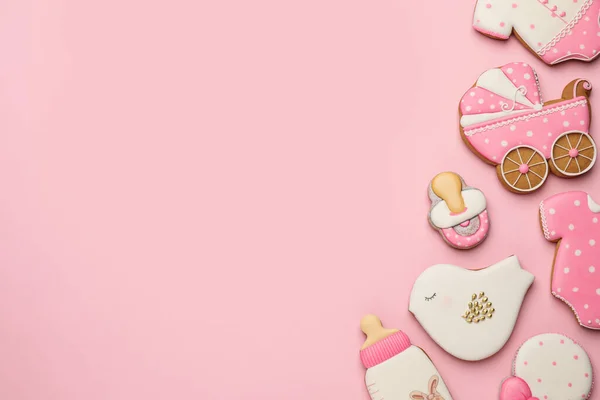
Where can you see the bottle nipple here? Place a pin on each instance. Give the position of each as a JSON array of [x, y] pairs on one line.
[[448, 186], [372, 327]]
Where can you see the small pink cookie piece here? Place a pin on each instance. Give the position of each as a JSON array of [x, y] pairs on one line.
[[550, 371], [570, 219], [458, 211]]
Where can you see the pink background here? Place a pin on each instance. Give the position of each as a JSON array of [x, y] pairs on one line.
[[200, 199]]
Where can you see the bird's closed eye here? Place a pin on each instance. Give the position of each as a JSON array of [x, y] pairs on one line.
[[430, 298]]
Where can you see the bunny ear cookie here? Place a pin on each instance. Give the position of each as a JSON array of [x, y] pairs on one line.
[[458, 212]]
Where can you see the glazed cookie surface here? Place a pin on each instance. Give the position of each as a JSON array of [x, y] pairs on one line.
[[549, 366], [470, 313], [505, 122], [458, 212], [571, 220], [554, 30], [396, 369]]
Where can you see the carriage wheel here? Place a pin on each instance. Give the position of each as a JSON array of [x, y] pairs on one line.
[[573, 153], [523, 169]]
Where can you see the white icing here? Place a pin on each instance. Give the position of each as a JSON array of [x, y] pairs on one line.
[[396, 378], [554, 369], [473, 119], [440, 213], [504, 283], [496, 82], [592, 205]]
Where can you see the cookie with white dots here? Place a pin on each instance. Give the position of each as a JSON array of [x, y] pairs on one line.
[[549, 366], [571, 220]]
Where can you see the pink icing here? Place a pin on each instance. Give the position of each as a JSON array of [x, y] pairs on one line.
[[384, 349], [568, 218], [524, 168], [573, 153], [465, 224], [465, 242]]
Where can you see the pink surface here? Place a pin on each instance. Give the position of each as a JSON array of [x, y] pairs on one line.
[[201, 199]]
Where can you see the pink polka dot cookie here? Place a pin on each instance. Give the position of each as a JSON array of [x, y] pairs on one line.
[[554, 30], [570, 219], [505, 122], [549, 367], [458, 212]]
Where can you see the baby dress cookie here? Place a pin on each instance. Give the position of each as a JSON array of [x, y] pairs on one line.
[[549, 367], [570, 219], [458, 212], [554, 30], [470, 313], [397, 370], [505, 122]]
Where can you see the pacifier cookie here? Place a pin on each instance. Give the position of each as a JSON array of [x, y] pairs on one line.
[[396, 369], [505, 122], [570, 219], [470, 313], [554, 30], [549, 367], [458, 212]]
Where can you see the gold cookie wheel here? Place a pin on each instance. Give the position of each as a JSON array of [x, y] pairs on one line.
[[523, 169], [573, 153]]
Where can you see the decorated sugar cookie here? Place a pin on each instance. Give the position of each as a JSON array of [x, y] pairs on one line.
[[549, 367], [554, 30], [397, 370], [504, 121], [458, 211], [470, 313], [571, 220]]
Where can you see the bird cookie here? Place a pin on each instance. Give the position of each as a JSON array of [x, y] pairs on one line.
[[396, 369], [458, 212], [570, 219], [549, 367], [470, 313]]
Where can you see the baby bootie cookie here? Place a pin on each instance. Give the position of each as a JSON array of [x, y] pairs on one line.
[[554, 30], [570, 219], [397, 370], [505, 122], [549, 367], [470, 313], [458, 212]]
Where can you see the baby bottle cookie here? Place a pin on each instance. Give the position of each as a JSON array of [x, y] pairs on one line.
[[470, 313], [549, 366], [458, 211], [397, 370], [570, 219]]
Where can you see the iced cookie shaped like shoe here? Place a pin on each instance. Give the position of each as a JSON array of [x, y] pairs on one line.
[[549, 366], [397, 370], [458, 212], [470, 313]]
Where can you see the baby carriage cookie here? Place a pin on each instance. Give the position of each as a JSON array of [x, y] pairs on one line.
[[549, 366], [570, 219], [397, 370], [457, 211], [554, 30], [470, 313], [505, 122]]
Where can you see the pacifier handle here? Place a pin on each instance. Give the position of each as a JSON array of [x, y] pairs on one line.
[[373, 328], [448, 186]]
